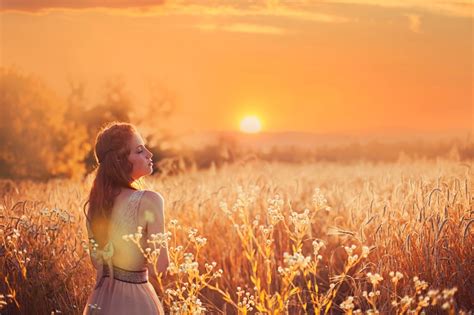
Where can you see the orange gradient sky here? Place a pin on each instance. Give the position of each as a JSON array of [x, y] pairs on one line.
[[319, 66]]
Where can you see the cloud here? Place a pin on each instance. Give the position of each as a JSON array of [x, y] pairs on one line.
[[415, 22], [248, 11], [140, 8], [243, 28], [301, 9], [39, 5], [446, 7], [233, 16], [253, 28]]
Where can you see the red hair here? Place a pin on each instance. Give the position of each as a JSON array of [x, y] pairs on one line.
[[112, 147]]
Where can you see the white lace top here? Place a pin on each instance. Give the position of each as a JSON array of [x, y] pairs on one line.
[[117, 252]]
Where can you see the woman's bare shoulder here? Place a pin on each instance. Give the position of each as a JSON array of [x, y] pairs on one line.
[[152, 198], [151, 208]]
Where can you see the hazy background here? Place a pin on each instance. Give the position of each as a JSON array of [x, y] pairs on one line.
[[338, 80]]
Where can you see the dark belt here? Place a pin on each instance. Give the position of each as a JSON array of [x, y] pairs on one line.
[[128, 276]]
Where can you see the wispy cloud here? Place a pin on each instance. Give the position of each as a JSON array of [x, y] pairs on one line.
[[446, 7], [39, 5], [243, 28], [301, 9], [140, 8], [232, 16], [414, 22], [234, 11]]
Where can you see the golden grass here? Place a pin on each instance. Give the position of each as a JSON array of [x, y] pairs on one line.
[[264, 238]]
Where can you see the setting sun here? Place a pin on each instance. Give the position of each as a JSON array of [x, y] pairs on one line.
[[250, 124]]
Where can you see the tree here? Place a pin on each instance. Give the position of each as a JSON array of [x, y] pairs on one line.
[[116, 104], [36, 139]]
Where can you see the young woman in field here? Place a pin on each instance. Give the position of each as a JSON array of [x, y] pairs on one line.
[[116, 208]]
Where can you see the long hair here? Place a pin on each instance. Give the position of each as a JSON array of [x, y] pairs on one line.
[[113, 173]]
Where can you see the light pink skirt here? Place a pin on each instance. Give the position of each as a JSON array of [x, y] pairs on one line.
[[132, 294]]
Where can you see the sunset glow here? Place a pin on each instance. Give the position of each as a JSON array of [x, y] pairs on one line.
[[357, 66]]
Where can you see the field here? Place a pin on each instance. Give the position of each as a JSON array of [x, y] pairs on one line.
[[394, 238]]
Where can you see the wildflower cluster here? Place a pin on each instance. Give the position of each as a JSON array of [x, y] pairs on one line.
[[317, 245], [395, 276], [156, 242], [373, 294], [190, 305], [245, 300], [13, 245], [319, 201], [353, 258], [420, 285], [422, 299], [409, 304], [185, 281], [374, 278], [295, 263], [62, 215], [274, 209], [348, 304], [301, 223], [267, 234], [245, 198], [199, 241]]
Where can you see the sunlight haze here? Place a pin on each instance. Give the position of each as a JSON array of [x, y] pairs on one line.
[[326, 67]]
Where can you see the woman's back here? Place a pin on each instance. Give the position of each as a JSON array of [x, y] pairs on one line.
[[122, 277], [124, 221]]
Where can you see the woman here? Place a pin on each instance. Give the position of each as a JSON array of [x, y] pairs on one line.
[[117, 208]]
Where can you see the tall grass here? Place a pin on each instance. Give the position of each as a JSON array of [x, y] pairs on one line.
[[264, 238]]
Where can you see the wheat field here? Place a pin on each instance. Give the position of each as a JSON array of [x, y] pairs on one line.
[[263, 238]]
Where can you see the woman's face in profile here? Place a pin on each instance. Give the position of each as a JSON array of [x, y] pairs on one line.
[[140, 157]]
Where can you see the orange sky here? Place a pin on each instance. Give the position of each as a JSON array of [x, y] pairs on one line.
[[321, 66]]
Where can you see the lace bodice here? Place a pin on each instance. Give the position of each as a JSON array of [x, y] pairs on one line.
[[127, 219], [117, 252]]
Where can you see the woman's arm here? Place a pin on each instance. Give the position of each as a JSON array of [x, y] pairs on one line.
[[152, 215]]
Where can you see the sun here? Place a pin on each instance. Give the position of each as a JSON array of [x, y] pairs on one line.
[[250, 124]]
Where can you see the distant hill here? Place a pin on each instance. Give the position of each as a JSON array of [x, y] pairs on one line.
[[309, 140]]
